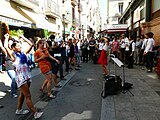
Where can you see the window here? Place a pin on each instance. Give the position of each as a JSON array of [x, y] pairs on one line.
[[120, 5], [155, 9], [155, 6]]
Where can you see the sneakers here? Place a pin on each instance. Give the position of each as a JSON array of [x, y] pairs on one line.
[[14, 95], [21, 112], [59, 86], [37, 115], [149, 70], [51, 96], [77, 68]]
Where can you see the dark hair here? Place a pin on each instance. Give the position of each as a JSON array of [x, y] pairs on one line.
[[52, 37], [14, 40], [150, 34], [13, 44], [131, 36], [49, 43]]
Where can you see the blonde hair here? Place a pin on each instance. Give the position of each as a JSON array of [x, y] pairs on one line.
[[39, 41]]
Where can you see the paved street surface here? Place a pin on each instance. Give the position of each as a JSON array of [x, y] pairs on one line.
[[79, 98], [144, 105]]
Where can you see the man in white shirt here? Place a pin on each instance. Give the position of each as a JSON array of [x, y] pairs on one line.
[[123, 42], [148, 51]]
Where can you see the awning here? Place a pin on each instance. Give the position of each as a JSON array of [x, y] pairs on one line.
[[39, 20], [116, 30], [9, 15]]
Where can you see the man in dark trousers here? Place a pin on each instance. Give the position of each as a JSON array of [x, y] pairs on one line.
[[92, 46], [131, 52], [85, 50]]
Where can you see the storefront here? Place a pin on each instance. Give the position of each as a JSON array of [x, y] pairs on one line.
[[144, 17], [153, 24], [116, 30], [13, 18]]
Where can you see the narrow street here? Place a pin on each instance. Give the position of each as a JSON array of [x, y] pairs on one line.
[[80, 99]]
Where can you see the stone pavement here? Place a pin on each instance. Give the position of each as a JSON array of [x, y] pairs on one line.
[[9, 103], [144, 105]]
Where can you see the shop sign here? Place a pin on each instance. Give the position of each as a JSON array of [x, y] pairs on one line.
[[14, 22], [117, 26]]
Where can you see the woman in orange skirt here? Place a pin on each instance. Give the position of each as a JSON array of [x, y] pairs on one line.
[[103, 61]]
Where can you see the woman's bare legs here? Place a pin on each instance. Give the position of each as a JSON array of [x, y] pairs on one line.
[[44, 85], [25, 93], [104, 69], [49, 83]]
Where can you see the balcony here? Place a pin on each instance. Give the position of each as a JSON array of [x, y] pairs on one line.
[[33, 4], [52, 9], [67, 18], [74, 2], [79, 7]]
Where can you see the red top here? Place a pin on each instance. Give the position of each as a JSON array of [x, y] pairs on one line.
[[44, 64]]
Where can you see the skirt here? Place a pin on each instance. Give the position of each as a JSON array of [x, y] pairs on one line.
[[103, 58]]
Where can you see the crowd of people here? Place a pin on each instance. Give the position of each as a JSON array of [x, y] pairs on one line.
[[56, 56]]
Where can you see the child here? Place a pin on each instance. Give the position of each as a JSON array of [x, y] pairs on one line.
[[23, 77]]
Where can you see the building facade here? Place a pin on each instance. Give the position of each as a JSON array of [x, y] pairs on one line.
[[76, 18], [91, 21], [115, 9], [143, 16]]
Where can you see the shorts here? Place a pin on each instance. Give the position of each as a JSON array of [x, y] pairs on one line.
[[49, 72], [20, 84]]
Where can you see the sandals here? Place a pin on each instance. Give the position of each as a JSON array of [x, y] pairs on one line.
[[51, 96], [58, 86], [42, 90]]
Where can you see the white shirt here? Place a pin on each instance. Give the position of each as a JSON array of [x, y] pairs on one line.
[[123, 43], [133, 45], [126, 44], [144, 43], [150, 45], [100, 46], [105, 47], [138, 44]]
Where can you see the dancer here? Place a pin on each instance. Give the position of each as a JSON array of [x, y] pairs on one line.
[[23, 77], [42, 57], [103, 56]]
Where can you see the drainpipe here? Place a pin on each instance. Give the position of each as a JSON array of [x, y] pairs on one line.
[[148, 10]]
